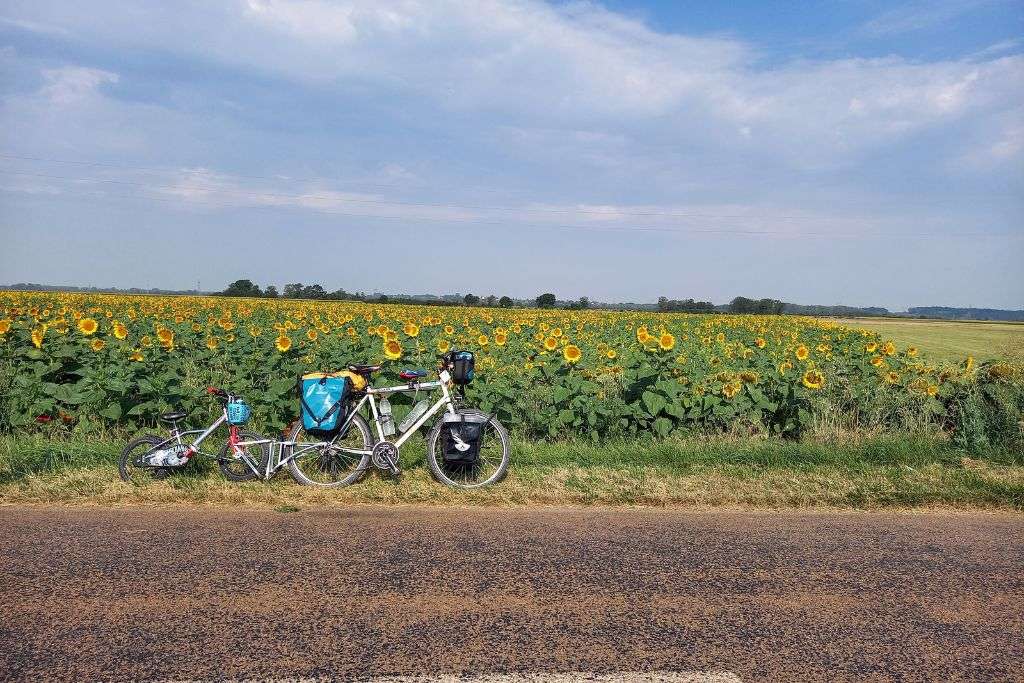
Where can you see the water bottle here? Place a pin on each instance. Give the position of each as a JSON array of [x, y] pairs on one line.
[[387, 420], [414, 414]]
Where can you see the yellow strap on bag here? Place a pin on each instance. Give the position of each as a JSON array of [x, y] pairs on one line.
[[358, 381]]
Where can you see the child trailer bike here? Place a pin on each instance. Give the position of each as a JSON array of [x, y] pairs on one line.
[[156, 457], [466, 448]]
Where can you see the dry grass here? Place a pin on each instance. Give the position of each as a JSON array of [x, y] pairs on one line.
[[949, 340], [978, 484]]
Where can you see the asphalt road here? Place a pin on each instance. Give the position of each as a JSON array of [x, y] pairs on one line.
[[370, 592]]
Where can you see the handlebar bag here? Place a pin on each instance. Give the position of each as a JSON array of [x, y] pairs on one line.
[[238, 412], [462, 437], [322, 397], [462, 367]]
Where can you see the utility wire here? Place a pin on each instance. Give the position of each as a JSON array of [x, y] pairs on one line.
[[388, 202], [539, 226]]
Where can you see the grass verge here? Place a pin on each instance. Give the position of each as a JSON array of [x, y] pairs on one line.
[[855, 472]]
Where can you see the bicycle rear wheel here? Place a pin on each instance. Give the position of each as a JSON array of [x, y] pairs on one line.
[[329, 462], [137, 474], [492, 462]]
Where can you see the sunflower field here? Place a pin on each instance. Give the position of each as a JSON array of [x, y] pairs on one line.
[[92, 361]]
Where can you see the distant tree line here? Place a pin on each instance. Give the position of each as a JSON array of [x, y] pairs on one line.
[[548, 300], [666, 305], [299, 290], [742, 304]]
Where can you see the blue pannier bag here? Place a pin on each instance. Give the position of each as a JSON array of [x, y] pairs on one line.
[[322, 396], [238, 412]]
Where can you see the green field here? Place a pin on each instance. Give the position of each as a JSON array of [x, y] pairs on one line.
[[949, 340]]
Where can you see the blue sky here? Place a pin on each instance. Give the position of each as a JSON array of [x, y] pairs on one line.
[[851, 152]]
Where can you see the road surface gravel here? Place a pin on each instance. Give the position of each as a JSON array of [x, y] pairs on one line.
[[508, 594]]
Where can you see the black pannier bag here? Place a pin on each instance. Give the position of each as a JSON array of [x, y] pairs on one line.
[[462, 367], [462, 437]]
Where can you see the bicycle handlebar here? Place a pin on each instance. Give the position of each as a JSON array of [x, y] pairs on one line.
[[214, 391]]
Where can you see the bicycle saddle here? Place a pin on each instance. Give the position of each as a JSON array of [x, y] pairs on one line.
[[175, 416], [364, 369], [412, 374]]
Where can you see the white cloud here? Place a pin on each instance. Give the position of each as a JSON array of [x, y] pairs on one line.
[[71, 84], [529, 65], [917, 16]]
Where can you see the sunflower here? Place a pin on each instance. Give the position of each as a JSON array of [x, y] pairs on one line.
[[666, 342], [731, 389], [871, 347], [611, 354], [785, 367], [813, 379], [165, 335], [120, 331], [136, 356], [146, 341], [642, 335], [969, 364], [37, 337], [932, 390], [97, 344], [749, 377], [411, 329], [912, 351], [311, 334], [449, 330], [254, 331], [892, 377], [5, 326], [392, 350], [802, 352], [500, 338], [889, 348], [572, 353], [443, 346], [760, 342], [550, 343], [482, 340], [877, 361], [211, 343], [283, 343], [88, 326]]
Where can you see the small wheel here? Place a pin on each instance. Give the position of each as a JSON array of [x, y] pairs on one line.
[[322, 462], [491, 466], [234, 468], [136, 474]]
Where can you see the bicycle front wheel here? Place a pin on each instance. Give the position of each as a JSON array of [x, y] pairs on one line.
[[330, 462], [491, 464], [237, 462]]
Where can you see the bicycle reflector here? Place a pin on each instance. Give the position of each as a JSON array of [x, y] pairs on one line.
[[238, 412]]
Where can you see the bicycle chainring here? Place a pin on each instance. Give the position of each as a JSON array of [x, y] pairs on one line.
[[385, 457]]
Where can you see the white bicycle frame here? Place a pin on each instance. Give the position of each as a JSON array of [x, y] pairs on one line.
[[371, 392], [283, 451]]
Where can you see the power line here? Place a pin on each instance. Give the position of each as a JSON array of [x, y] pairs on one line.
[[546, 226], [388, 202]]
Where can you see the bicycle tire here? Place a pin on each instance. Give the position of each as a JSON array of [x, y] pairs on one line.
[[444, 475], [236, 469], [126, 467], [325, 463]]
